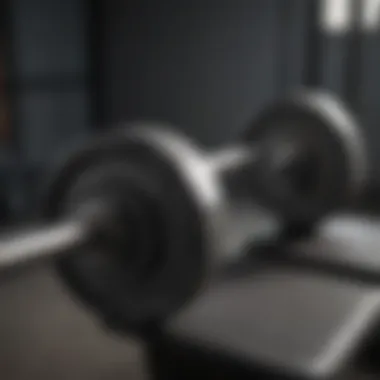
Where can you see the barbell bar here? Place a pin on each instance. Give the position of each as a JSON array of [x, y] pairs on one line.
[[138, 218]]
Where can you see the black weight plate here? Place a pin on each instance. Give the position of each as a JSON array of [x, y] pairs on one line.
[[173, 203], [312, 152]]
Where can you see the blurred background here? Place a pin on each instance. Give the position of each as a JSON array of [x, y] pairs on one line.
[[70, 68]]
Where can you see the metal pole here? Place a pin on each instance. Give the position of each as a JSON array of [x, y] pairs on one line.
[[62, 237], [25, 247]]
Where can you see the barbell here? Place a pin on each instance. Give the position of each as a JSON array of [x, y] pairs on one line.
[[138, 218]]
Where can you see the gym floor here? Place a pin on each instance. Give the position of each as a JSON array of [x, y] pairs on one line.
[[45, 335]]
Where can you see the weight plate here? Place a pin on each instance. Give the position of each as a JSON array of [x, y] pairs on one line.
[[171, 201], [313, 156]]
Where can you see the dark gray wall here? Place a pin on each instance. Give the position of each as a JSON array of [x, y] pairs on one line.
[[206, 66], [369, 95], [349, 67], [50, 70], [48, 78], [209, 65]]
